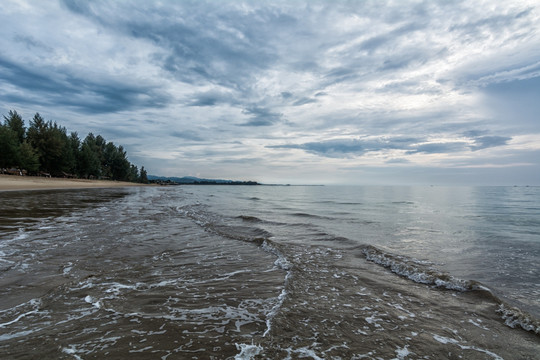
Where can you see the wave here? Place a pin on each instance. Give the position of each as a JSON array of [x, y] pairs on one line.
[[284, 264], [416, 270], [421, 272], [251, 234], [311, 216], [242, 233], [333, 202], [249, 218], [34, 304], [300, 214], [514, 317]]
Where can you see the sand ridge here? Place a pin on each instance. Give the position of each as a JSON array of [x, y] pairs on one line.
[[14, 183]]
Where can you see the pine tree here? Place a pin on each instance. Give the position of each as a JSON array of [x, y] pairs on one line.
[[46, 146], [89, 162], [15, 122], [29, 160], [9, 147], [144, 176]]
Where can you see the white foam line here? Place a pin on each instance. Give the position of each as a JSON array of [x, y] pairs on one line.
[[5, 337], [284, 264], [399, 307], [445, 340], [18, 318], [228, 275], [487, 352], [33, 302], [478, 324], [141, 350], [275, 309]]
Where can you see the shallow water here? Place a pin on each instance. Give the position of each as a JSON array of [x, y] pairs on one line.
[[199, 272]]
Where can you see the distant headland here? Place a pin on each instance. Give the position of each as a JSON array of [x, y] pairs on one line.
[[190, 180]]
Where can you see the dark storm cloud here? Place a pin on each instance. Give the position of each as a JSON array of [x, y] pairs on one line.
[[261, 117], [481, 140], [27, 79], [475, 133], [389, 37], [58, 87], [31, 42], [304, 101], [342, 148], [79, 6], [211, 98], [286, 94], [491, 23], [341, 74], [484, 142], [332, 148], [187, 135]]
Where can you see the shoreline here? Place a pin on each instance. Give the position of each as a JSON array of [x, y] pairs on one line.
[[24, 183]]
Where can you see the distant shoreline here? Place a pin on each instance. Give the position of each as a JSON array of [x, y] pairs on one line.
[[23, 183]]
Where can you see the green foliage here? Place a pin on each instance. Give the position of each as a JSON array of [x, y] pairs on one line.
[[120, 165], [29, 160], [89, 164], [15, 122], [52, 146], [46, 146], [9, 147], [144, 176], [74, 144], [133, 174]]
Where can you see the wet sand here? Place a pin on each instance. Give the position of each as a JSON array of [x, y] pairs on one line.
[[14, 183]]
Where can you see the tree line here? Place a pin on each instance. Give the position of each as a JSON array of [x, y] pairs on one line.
[[45, 148]]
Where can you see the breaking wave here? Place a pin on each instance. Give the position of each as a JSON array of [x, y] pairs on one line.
[[214, 223], [417, 270], [420, 272], [514, 317]]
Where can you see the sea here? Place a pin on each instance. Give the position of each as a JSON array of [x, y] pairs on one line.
[[270, 272]]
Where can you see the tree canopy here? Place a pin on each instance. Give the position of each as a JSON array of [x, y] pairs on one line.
[[46, 147]]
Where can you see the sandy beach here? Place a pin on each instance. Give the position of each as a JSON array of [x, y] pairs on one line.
[[14, 183]]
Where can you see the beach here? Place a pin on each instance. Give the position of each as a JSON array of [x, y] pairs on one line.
[[16, 183]]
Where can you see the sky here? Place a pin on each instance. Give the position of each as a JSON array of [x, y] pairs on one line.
[[300, 92]]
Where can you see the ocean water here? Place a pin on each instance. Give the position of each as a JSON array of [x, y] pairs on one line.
[[271, 272]]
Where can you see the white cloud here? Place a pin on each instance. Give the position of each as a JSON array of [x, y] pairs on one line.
[[271, 87]]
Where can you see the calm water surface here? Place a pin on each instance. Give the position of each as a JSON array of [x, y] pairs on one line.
[[263, 272]]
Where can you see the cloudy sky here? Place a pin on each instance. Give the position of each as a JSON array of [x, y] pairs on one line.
[[352, 92]]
